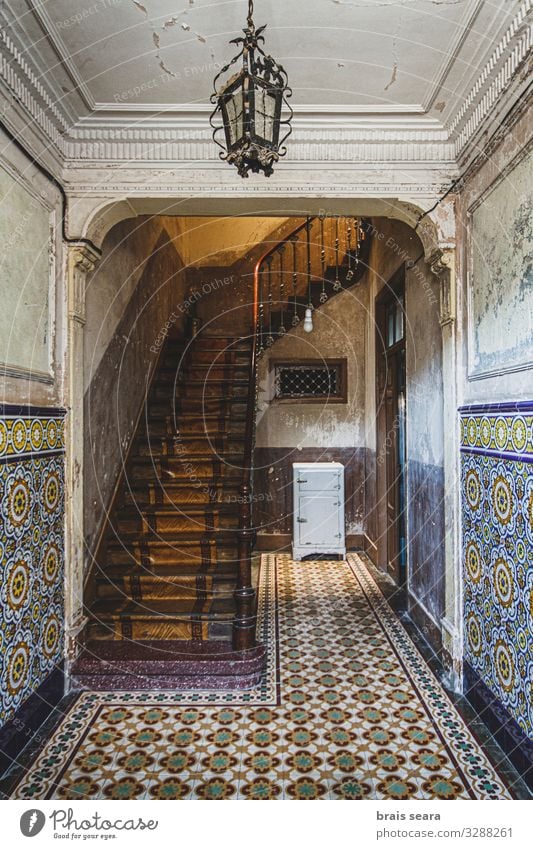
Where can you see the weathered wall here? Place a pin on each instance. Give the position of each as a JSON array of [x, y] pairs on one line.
[[292, 432], [393, 244], [127, 250], [32, 539], [495, 214], [118, 387]]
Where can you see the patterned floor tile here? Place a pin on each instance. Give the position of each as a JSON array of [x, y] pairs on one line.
[[347, 709]]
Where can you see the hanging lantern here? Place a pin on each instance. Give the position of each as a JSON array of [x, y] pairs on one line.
[[249, 104]]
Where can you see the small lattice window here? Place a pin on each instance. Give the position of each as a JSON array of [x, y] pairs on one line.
[[310, 380]]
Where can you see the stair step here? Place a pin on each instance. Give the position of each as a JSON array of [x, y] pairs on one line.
[[220, 405], [214, 390], [181, 495], [218, 358], [208, 371], [174, 522], [147, 586], [198, 446], [166, 665], [220, 343], [168, 412], [161, 619], [185, 469], [189, 428], [195, 555]]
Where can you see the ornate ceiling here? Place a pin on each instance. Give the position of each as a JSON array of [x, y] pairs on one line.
[[412, 84]]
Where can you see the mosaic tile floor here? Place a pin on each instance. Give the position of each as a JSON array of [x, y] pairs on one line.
[[348, 709]]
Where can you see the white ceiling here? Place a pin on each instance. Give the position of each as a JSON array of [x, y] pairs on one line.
[[128, 56]]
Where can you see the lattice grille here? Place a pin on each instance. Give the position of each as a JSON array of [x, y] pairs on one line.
[[306, 381]]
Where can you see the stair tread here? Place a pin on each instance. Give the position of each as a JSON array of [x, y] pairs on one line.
[[159, 546], [217, 571], [156, 650], [162, 609], [175, 509]]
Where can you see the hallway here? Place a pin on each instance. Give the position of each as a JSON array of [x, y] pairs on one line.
[[347, 709], [266, 444]]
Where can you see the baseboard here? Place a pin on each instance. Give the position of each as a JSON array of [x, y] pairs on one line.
[[370, 548], [425, 623], [283, 542], [18, 731], [273, 542], [355, 542], [516, 744]]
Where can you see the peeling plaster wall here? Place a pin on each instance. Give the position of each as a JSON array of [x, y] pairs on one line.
[[32, 448], [339, 331], [109, 290], [118, 386], [495, 309], [288, 433], [393, 244]]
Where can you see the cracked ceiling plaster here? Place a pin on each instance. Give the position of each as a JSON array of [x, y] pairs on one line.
[[341, 55]]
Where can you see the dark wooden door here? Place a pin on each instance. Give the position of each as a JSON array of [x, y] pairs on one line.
[[391, 408]]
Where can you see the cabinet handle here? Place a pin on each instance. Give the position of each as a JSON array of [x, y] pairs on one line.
[[301, 520], [300, 481]]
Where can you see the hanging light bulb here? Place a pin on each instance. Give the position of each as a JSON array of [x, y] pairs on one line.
[[308, 320]]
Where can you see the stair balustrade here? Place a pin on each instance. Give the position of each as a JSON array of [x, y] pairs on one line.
[[320, 258]]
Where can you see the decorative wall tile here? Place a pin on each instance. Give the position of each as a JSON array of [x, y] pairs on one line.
[[497, 517], [31, 554]]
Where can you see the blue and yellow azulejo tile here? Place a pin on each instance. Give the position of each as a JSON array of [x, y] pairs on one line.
[[26, 435], [31, 555], [498, 431], [497, 521]]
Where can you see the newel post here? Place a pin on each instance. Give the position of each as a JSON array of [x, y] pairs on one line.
[[244, 624]]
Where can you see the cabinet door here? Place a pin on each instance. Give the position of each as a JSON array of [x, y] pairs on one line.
[[311, 481], [318, 519]]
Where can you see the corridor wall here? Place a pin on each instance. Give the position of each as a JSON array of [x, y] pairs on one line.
[[495, 231]]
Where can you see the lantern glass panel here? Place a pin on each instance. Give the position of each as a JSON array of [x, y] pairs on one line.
[[265, 114], [234, 116]]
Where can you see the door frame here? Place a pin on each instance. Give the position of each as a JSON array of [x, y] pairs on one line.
[[390, 366]]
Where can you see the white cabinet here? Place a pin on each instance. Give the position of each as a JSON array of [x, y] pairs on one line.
[[318, 509]]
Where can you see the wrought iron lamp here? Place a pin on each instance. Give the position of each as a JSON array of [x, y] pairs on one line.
[[250, 104]]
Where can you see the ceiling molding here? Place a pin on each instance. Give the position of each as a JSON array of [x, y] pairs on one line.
[[469, 18], [400, 135], [27, 90], [321, 109], [51, 32], [145, 144], [500, 69]]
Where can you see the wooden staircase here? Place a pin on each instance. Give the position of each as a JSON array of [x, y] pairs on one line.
[[166, 574], [172, 601], [320, 259]]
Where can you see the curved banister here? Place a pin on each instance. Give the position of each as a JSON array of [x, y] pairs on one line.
[[244, 626]]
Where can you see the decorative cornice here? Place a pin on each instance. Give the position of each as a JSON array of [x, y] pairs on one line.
[[213, 188], [325, 135], [496, 76], [154, 147], [30, 93]]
